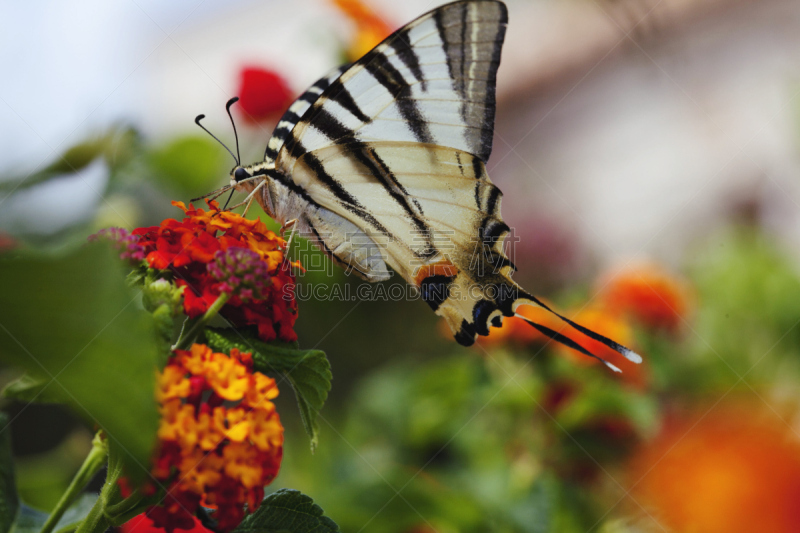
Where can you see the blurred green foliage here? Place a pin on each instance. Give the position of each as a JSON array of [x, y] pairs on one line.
[[72, 324], [189, 164]]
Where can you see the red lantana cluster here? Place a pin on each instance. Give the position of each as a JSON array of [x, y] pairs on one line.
[[214, 252]]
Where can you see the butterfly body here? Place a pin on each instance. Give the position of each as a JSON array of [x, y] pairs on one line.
[[382, 164]]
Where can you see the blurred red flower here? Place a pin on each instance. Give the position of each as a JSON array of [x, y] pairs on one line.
[[734, 470], [7, 242], [370, 28], [647, 294], [263, 94]]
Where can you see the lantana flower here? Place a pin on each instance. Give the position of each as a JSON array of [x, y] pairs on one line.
[[220, 440], [202, 252]]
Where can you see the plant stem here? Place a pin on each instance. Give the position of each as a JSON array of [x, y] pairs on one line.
[[185, 340], [96, 521], [99, 519], [91, 466]]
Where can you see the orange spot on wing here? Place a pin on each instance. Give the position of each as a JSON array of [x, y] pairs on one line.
[[442, 268]]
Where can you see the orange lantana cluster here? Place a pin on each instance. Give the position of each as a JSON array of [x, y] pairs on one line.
[[725, 467], [648, 295], [370, 28], [220, 437], [194, 249]]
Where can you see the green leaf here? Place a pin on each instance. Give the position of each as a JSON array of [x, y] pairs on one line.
[[288, 511], [73, 324], [309, 371], [9, 501]]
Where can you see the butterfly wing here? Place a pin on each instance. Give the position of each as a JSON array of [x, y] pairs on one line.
[[395, 147], [447, 238], [432, 82]]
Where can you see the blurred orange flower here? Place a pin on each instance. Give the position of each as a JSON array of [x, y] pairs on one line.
[[370, 28], [648, 294], [733, 470]]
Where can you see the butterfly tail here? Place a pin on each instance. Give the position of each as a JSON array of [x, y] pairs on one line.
[[629, 354], [566, 341], [495, 297]]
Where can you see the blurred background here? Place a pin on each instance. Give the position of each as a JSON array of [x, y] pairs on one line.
[[649, 152]]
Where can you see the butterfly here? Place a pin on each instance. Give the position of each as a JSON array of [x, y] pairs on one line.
[[381, 164]]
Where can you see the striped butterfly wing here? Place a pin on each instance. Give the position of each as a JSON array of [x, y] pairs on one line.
[[394, 148], [443, 234], [432, 82], [393, 152]]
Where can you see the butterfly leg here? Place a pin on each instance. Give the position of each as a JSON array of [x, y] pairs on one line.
[[214, 194], [247, 208], [289, 224], [249, 198]]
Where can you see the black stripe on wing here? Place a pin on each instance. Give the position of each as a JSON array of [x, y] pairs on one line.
[[384, 73], [299, 107], [346, 200], [368, 158], [453, 23], [401, 44]]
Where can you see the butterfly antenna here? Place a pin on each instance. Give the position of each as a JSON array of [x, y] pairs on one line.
[[236, 135], [197, 121]]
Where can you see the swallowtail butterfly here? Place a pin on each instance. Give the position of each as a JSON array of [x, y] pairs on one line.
[[381, 163]]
